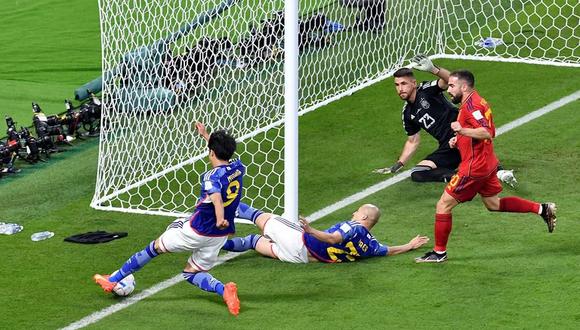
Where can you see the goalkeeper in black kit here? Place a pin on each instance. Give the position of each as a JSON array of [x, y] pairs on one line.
[[427, 108]]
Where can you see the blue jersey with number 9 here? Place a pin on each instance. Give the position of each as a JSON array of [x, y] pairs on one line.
[[357, 242], [224, 179]]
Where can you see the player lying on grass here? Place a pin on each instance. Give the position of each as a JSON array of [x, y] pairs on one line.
[[204, 233], [289, 241]]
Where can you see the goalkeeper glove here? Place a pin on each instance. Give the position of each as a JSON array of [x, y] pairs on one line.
[[393, 169], [423, 63]]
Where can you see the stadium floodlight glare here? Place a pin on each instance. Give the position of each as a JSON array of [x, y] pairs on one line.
[[237, 68]]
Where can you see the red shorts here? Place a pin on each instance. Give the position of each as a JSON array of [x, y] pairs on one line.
[[464, 188]]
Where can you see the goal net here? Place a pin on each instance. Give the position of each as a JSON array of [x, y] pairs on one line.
[[168, 64]]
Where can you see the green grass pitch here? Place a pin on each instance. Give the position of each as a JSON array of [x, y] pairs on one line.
[[504, 271]]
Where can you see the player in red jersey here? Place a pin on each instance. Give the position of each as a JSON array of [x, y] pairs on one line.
[[475, 130]]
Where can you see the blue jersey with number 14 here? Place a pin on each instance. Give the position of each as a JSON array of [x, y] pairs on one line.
[[357, 243], [224, 179]]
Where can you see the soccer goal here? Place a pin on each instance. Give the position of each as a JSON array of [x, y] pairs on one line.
[[168, 64]]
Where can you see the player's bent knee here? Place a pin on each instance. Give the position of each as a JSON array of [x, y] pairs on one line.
[[420, 173], [445, 204], [159, 246], [431, 175], [418, 177], [262, 220], [491, 203], [264, 247], [441, 207], [191, 268]]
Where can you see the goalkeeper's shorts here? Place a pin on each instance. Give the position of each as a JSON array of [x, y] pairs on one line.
[[445, 157]]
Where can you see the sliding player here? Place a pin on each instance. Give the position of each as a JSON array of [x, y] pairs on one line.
[[289, 241], [205, 232]]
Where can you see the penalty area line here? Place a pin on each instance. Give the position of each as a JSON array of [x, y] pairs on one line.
[[99, 315]]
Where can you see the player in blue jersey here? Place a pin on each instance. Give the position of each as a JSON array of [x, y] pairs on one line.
[[300, 243], [203, 233]]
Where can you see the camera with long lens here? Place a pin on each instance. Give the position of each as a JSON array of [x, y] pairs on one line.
[[47, 127], [29, 147], [11, 128], [8, 152], [72, 120], [9, 149], [13, 142], [90, 115]]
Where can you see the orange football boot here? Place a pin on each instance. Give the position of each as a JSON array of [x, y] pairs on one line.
[[103, 281], [231, 298]]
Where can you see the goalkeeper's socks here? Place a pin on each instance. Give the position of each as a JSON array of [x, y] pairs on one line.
[[204, 281], [247, 212], [240, 244], [136, 262], [518, 205]]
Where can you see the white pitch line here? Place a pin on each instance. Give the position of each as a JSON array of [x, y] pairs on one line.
[[97, 316], [403, 175], [540, 112]]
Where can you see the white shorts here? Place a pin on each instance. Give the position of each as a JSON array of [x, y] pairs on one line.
[[180, 237], [286, 237]]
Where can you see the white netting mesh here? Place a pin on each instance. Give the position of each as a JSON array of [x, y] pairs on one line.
[[534, 30], [225, 68]]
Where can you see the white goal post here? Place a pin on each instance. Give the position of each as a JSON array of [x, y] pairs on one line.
[[230, 64]]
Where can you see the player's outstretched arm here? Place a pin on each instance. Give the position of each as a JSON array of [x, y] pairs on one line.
[[330, 238], [423, 63], [411, 146], [200, 127], [413, 244]]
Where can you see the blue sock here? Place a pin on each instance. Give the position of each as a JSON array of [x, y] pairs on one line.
[[136, 262], [247, 212], [240, 244], [205, 281]]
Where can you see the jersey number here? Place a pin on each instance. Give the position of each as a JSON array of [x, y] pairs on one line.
[[232, 192], [350, 254], [427, 120], [453, 182]]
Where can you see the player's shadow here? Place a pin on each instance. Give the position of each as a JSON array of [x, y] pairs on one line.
[[242, 257], [247, 298], [284, 296]]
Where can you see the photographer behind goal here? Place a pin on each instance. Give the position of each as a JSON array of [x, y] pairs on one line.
[[373, 13]]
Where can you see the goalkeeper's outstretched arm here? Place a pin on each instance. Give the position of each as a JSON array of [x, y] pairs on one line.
[[423, 63], [409, 149]]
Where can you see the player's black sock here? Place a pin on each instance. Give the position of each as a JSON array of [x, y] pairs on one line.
[[432, 175]]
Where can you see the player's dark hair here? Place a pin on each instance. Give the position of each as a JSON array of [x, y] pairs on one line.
[[465, 76], [222, 144], [403, 72]]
